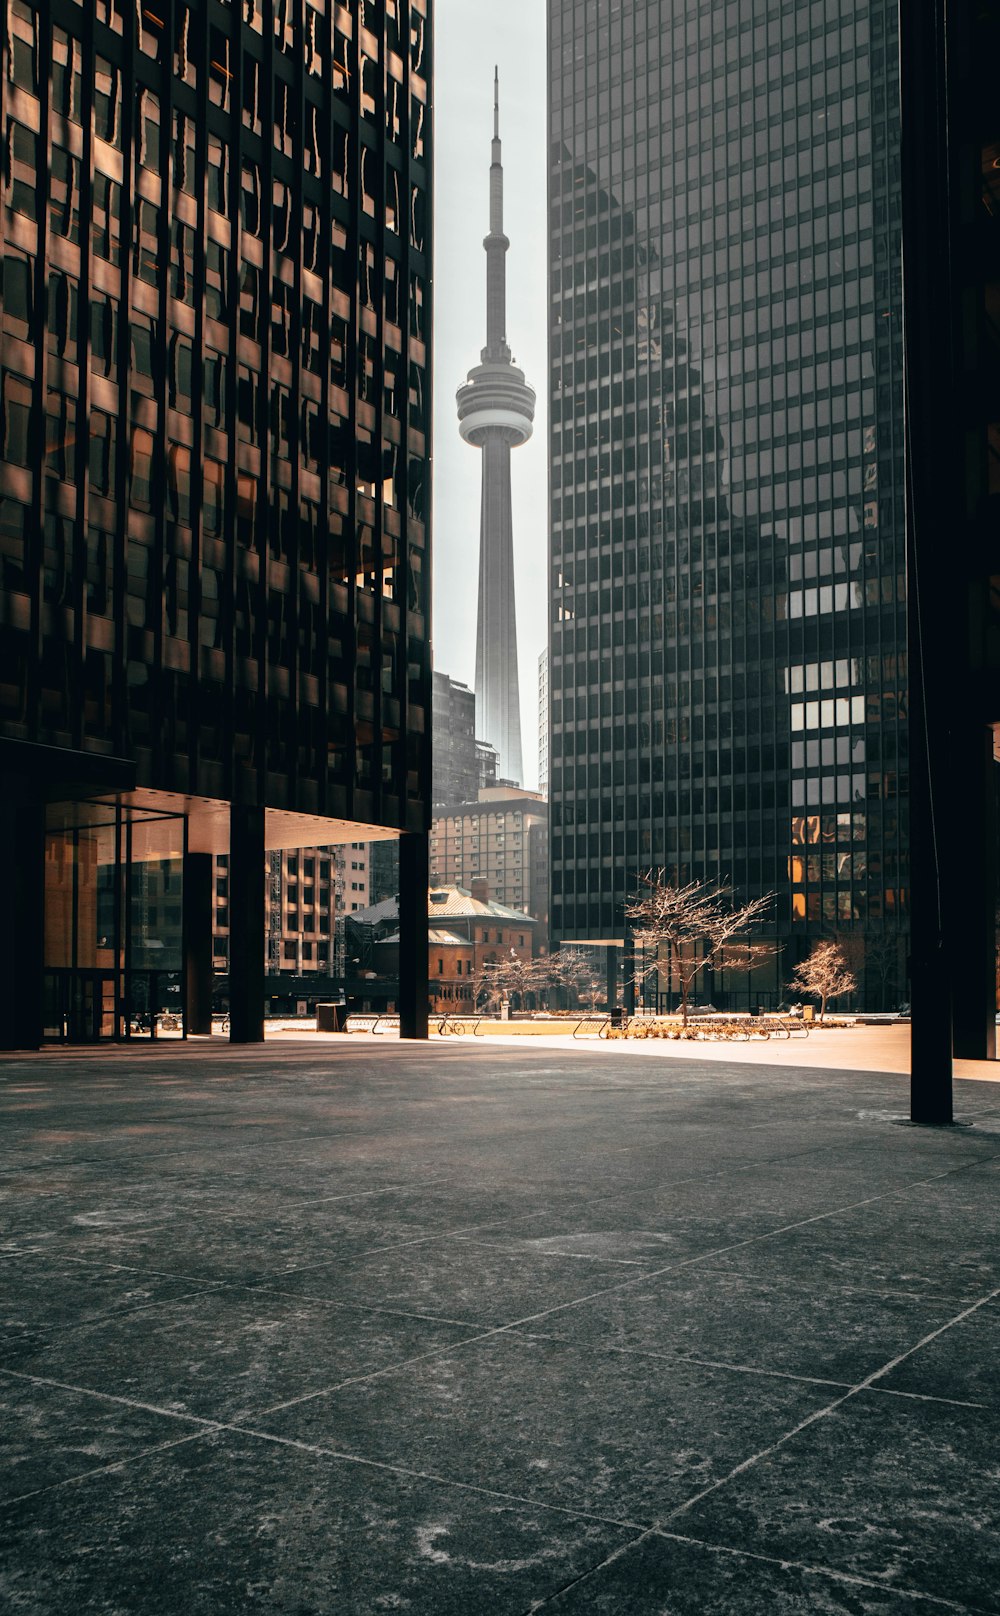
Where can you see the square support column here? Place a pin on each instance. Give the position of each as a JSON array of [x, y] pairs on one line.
[[973, 904], [246, 924], [611, 970], [22, 836], [414, 875], [198, 942], [628, 974]]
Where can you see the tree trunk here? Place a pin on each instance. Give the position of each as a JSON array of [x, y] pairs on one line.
[[822, 1008]]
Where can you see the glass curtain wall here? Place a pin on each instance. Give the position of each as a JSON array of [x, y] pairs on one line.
[[113, 923]]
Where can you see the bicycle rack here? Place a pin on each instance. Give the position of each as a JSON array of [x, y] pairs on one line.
[[596, 1027]]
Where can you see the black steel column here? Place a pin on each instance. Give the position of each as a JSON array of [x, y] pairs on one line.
[[414, 877], [198, 942], [611, 966], [22, 836], [936, 630], [246, 924], [973, 906], [628, 973]]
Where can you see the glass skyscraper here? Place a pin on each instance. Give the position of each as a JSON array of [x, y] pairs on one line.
[[727, 639], [214, 496]]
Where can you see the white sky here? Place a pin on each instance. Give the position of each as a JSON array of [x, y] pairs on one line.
[[470, 36]]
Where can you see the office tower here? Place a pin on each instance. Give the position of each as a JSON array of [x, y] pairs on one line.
[[453, 728], [543, 721], [727, 628], [951, 250], [215, 482], [486, 764], [495, 412]]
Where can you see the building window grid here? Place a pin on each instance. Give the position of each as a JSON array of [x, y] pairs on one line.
[[88, 78], [563, 641]]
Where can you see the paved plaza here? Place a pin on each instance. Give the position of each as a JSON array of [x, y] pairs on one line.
[[339, 1327]]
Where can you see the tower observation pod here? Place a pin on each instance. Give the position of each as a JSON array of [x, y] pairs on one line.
[[496, 408]]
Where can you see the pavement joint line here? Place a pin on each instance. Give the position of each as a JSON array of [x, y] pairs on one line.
[[852, 1578], [520, 1500], [578, 1256], [111, 1397], [386, 1189], [754, 1369], [514, 1325], [48, 1163], [208, 1428], [53, 1330], [823, 1413], [208, 1285], [561, 1307], [101, 1470], [583, 1576]]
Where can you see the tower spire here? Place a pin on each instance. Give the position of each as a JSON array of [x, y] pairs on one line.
[[495, 412], [496, 245]]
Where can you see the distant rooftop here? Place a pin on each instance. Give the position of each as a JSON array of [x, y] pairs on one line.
[[443, 903]]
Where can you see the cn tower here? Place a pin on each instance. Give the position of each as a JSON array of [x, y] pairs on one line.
[[495, 412]]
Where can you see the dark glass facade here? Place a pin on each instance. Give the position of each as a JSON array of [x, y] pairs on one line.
[[727, 639], [215, 402]]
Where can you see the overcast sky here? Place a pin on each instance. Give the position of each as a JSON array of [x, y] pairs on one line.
[[470, 36]]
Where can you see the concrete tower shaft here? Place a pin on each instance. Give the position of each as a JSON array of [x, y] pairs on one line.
[[496, 409]]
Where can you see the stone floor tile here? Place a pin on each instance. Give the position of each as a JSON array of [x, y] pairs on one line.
[[222, 1355], [625, 1436], [227, 1526], [658, 1576], [51, 1433], [901, 1492]]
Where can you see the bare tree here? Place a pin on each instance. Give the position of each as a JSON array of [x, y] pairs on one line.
[[824, 975], [700, 927], [575, 970], [498, 979]]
